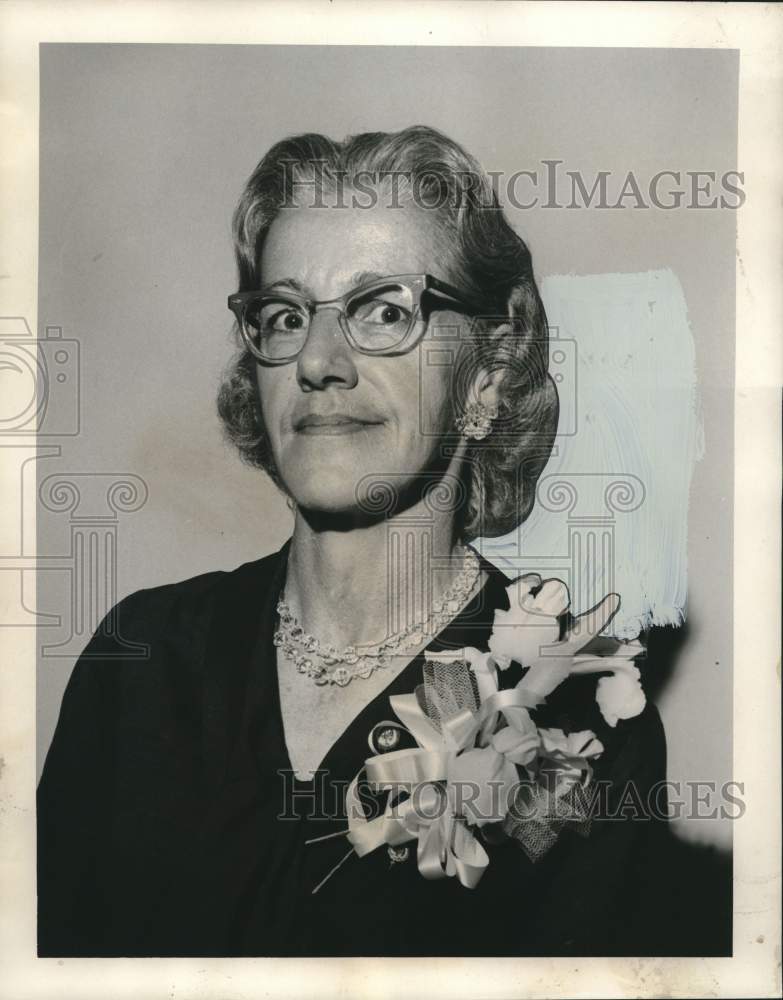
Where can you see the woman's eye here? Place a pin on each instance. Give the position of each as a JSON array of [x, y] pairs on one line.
[[386, 314], [289, 321], [383, 313], [277, 320]]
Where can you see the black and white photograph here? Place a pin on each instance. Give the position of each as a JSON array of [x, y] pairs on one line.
[[387, 471]]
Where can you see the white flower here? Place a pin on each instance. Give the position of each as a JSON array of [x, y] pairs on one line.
[[564, 759], [620, 696], [530, 623], [519, 740], [581, 744]]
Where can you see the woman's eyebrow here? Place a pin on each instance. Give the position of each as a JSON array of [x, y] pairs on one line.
[[356, 279], [362, 277], [292, 283]]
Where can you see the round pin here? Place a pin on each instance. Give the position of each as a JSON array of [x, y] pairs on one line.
[[387, 739], [398, 854]]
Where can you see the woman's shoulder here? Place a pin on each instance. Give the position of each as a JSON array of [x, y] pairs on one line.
[[170, 638], [184, 605], [168, 653]]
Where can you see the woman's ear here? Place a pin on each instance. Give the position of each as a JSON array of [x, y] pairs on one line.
[[482, 371], [489, 387]]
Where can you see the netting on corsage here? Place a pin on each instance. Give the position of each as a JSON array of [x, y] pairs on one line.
[[448, 688], [537, 816]]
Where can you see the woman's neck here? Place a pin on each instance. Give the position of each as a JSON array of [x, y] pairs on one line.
[[361, 585]]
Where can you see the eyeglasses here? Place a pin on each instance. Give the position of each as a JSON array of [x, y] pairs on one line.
[[379, 317]]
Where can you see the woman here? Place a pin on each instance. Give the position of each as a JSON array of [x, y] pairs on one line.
[[393, 382]]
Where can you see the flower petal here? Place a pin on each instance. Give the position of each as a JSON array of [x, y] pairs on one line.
[[519, 745], [584, 628], [581, 744], [546, 674], [521, 632], [553, 598], [620, 696], [553, 739], [607, 645], [480, 783], [518, 589], [584, 744]]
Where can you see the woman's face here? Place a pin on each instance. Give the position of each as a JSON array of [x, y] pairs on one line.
[[393, 410]]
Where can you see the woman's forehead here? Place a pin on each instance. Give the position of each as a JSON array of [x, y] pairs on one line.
[[321, 248]]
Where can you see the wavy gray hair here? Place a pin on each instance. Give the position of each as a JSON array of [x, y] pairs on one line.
[[487, 259]]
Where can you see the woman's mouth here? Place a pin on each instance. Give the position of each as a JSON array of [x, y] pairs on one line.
[[333, 424]]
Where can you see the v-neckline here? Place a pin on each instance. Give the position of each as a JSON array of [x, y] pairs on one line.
[[402, 682]]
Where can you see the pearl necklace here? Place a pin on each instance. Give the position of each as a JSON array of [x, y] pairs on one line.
[[327, 665]]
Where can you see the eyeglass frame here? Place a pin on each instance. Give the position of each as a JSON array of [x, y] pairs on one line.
[[419, 284]]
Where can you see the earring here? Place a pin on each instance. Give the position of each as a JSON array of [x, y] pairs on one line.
[[476, 421]]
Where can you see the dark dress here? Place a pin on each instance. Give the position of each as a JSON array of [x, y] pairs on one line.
[[170, 823]]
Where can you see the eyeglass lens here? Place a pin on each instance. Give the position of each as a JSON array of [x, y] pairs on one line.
[[379, 318]]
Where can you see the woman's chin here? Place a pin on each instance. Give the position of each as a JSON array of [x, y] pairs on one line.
[[334, 477], [329, 491], [358, 494]]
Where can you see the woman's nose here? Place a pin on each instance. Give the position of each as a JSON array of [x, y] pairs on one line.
[[326, 357]]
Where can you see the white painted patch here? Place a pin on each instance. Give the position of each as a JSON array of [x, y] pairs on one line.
[[612, 506]]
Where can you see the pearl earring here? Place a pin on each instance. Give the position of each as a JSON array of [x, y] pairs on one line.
[[476, 421]]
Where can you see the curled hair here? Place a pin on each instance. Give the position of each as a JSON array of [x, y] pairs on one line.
[[486, 259]]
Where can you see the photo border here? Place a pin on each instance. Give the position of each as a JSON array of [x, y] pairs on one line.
[[757, 31]]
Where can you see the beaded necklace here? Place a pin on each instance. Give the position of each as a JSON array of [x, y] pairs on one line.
[[327, 665]]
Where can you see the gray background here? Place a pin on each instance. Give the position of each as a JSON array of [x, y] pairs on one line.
[[144, 151]]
